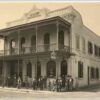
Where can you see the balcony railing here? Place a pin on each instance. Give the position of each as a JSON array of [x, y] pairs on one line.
[[31, 50]]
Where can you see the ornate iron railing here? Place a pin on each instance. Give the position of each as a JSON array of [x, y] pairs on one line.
[[34, 49]]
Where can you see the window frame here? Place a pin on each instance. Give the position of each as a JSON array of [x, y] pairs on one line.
[[90, 47], [80, 69], [77, 42]]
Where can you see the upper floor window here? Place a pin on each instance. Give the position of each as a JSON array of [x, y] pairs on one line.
[[83, 44], [33, 40], [12, 43], [22, 42], [47, 41], [47, 38], [96, 50], [33, 43], [61, 39], [90, 48], [77, 42], [80, 69], [12, 46]]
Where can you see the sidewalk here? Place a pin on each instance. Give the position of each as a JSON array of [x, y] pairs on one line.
[[24, 90]]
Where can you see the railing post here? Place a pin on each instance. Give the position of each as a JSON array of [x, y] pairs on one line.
[[57, 26]]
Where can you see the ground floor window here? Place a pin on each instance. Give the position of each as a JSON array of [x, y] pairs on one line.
[[51, 69], [92, 73], [80, 69], [97, 73], [1, 68]]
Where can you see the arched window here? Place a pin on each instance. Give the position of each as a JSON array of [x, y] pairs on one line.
[[38, 70], [12, 46], [63, 68], [13, 43], [47, 41], [29, 70], [33, 43], [22, 44], [61, 39], [51, 69]]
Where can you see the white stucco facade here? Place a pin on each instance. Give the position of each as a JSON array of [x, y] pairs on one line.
[[39, 16]]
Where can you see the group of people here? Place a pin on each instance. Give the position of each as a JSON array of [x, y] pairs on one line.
[[62, 83]]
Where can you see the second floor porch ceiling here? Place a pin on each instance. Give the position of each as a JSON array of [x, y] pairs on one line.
[[16, 29]]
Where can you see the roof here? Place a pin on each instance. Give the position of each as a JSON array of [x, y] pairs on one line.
[[93, 35]]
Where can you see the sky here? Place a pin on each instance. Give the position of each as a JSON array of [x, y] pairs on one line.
[[90, 12]]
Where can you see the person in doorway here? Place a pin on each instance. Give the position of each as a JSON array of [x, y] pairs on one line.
[[45, 82], [70, 83], [59, 84], [19, 82], [26, 82], [63, 81], [67, 83], [54, 85], [41, 83], [14, 83], [34, 84], [49, 85], [76, 83]]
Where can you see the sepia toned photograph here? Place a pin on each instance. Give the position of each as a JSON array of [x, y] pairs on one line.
[[49, 50]]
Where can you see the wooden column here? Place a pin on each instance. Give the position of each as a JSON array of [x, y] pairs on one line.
[[57, 26], [36, 52], [18, 49]]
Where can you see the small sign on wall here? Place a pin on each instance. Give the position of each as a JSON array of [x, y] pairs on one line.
[[53, 55]]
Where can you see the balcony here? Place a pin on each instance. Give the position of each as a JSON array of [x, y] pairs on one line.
[[32, 50]]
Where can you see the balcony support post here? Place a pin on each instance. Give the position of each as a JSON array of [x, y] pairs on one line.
[[3, 76], [57, 27], [36, 51], [36, 29], [18, 50], [57, 30]]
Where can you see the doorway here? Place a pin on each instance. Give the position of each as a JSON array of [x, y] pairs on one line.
[[63, 68], [38, 70], [88, 72], [51, 69]]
